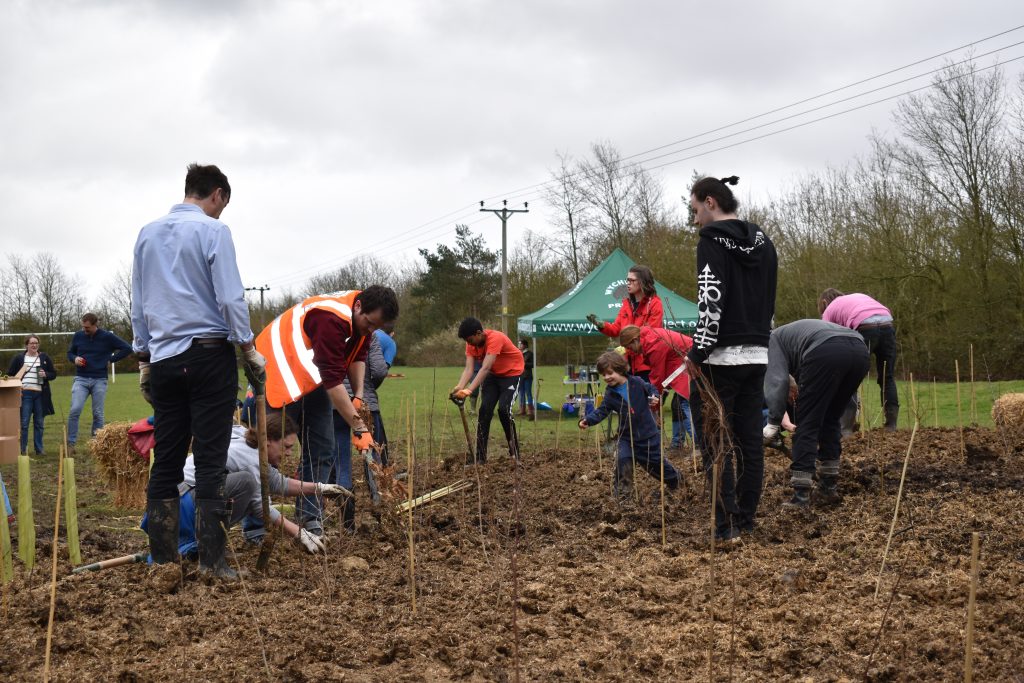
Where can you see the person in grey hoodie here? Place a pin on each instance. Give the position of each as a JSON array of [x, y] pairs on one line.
[[828, 362], [736, 277]]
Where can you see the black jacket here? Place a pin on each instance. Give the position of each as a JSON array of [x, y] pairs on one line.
[[736, 277], [49, 374]]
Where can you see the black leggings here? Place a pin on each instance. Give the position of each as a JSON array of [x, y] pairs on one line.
[[500, 392]]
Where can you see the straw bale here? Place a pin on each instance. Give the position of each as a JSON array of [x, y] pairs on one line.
[[1008, 410], [120, 465]]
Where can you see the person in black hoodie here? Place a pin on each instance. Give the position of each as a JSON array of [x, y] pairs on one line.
[[736, 277]]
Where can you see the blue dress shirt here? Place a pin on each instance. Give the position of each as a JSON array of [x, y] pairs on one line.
[[185, 284]]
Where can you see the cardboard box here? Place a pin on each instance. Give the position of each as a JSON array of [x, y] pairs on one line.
[[10, 408], [10, 448]]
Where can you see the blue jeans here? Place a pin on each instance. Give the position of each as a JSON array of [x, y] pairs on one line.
[[7, 501], [313, 414], [32, 407], [646, 453], [81, 389], [680, 420], [526, 393]]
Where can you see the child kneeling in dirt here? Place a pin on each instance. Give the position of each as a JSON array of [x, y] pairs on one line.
[[639, 437]]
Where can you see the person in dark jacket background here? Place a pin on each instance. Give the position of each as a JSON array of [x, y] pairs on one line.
[[35, 369], [828, 362], [639, 438], [90, 351], [736, 279]]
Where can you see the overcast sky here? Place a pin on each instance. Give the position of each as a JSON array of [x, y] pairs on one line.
[[353, 127]]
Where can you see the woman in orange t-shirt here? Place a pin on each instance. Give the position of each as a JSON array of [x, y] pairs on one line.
[[498, 379]]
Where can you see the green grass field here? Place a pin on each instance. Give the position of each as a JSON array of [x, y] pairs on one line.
[[427, 389]]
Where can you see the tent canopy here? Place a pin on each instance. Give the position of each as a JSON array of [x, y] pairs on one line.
[[601, 292]]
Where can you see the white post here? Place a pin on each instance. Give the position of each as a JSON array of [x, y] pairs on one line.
[[113, 373]]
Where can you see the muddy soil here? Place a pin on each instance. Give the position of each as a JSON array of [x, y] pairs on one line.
[[599, 596]]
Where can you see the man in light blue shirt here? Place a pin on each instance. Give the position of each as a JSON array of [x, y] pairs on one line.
[[188, 309]]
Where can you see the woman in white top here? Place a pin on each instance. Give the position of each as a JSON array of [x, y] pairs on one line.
[[35, 369]]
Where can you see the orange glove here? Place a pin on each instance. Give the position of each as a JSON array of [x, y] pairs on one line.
[[357, 403], [463, 394], [362, 441]]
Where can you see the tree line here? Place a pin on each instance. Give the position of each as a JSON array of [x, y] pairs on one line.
[[930, 222]]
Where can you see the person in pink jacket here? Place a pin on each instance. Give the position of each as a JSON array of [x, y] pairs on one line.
[[663, 352], [875, 324]]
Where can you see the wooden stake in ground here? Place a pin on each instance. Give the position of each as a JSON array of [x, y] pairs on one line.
[[899, 492], [412, 468], [53, 575], [974, 405], [661, 446], [935, 402], [71, 511], [261, 438], [959, 408], [969, 649], [597, 443], [558, 424], [26, 521]]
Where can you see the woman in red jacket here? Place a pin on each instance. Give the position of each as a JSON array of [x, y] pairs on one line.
[[641, 307], [664, 351]]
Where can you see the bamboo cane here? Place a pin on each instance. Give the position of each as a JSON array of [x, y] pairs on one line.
[[53, 574], [71, 511], [412, 468], [711, 583], [969, 649], [959, 409], [6, 561], [661, 447], [935, 402], [460, 485], [974, 406], [558, 425], [899, 496], [597, 443], [26, 521]]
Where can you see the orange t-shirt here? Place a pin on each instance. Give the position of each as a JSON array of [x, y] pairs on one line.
[[509, 361]]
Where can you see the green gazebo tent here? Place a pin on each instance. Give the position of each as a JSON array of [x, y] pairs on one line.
[[600, 292]]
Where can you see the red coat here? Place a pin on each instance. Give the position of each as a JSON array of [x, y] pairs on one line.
[[664, 351], [647, 314]]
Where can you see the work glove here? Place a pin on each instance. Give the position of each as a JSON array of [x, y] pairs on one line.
[[254, 365], [311, 542], [144, 384], [362, 441], [357, 403], [592, 319], [332, 491], [621, 350], [770, 432], [462, 394]]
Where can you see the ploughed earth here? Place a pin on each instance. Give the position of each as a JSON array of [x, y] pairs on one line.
[[599, 595]]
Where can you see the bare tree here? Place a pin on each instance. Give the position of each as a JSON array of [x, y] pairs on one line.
[[569, 201], [609, 187], [19, 294], [359, 273]]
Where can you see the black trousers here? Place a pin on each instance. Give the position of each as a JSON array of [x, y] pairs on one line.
[[829, 377], [193, 402], [500, 392], [740, 388], [881, 341]]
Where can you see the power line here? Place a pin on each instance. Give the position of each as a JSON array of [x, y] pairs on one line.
[[532, 191]]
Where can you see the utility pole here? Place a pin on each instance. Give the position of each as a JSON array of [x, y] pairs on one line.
[[504, 213], [264, 288]]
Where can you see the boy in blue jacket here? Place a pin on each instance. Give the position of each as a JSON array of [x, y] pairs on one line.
[[639, 437]]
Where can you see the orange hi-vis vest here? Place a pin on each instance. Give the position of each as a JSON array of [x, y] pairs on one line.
[[291, 373]]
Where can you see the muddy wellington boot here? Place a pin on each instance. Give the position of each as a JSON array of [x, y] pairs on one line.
[[828, 483], [624, 481], [162, 527], [891, 414], [212, 520], [802, 483]]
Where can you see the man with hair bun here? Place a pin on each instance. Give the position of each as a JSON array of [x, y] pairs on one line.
[[736, 278]]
